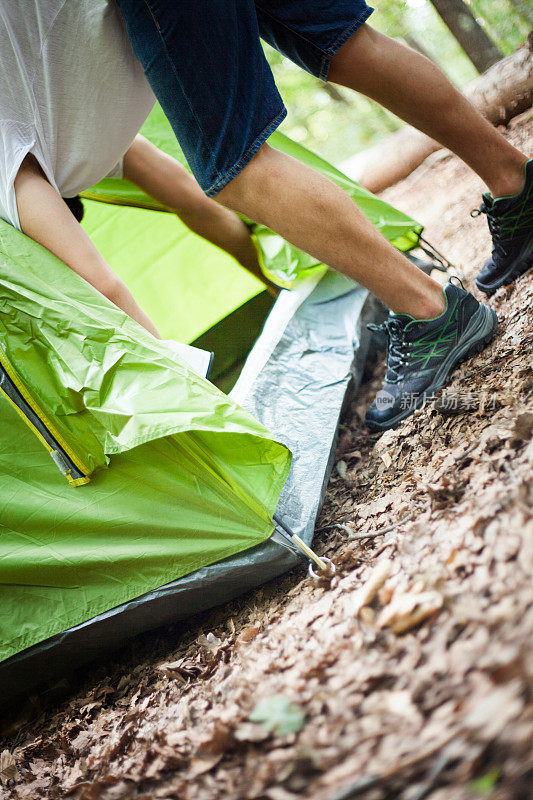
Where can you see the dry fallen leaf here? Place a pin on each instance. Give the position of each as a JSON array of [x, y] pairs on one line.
[[405, 611], [251, 732], [248, 633], [203, 763], [211, 643], [523, 426], [364, 596], [8, 767], [182, 669], [490, 714], [386, 458]]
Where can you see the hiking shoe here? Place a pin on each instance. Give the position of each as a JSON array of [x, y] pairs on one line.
[[511, 225], [422, 353]]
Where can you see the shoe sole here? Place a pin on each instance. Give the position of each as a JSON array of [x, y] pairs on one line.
[[477, 335], [522, 264]]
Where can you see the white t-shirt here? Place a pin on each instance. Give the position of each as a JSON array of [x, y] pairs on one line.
[[72, 93]]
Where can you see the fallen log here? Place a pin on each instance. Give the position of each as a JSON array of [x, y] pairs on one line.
[[501, 93]]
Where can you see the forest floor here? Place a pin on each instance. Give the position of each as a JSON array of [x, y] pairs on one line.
[[410, 674]]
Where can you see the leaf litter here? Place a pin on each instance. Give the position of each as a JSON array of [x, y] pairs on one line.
[[409, 674]]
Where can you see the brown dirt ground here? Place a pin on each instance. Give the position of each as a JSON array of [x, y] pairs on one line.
[[411, 672]]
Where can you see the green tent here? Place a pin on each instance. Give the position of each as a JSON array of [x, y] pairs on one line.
[[121, 470]]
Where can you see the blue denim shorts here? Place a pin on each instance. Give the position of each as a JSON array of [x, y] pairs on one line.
[[204, 61]]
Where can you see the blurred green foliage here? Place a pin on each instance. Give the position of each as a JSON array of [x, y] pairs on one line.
[[337, 123]]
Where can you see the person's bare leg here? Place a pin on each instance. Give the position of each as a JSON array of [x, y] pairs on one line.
[[46, 219], [413, 88], [163, 178], [315, 215]]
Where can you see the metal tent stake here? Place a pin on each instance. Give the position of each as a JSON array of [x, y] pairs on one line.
[[291, 541]]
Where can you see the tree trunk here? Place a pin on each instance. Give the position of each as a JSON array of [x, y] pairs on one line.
[[499, 94], [479, 48]]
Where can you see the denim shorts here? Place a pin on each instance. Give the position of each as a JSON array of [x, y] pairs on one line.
[[205, 64]]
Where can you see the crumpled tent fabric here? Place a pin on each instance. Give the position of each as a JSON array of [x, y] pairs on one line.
[[193, 479], [106, 383], [297, 377]]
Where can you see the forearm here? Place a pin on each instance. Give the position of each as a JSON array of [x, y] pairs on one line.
[[225, 230], [164, 179], [46, 219]]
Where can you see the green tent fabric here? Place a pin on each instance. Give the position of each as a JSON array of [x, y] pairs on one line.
[[165, 473], [193, 478], [154, 253]]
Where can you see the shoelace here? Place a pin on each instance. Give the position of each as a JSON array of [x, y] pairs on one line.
[[495, 228], [398, 350], [417, 353], [510, 226]]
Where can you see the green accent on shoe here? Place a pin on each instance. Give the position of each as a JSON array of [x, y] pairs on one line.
[[426, 347], [422, 353]]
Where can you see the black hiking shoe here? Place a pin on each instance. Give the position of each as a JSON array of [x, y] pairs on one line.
[[422, 353], [511, 225]]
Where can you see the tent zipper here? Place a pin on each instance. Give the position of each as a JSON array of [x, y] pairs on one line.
[[15, 392]]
